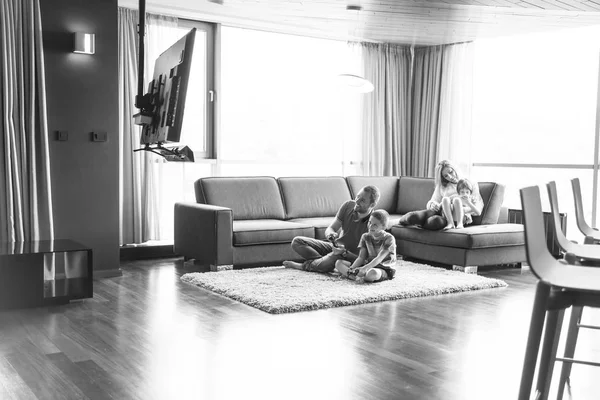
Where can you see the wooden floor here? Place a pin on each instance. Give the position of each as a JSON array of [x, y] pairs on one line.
[[146, 335]]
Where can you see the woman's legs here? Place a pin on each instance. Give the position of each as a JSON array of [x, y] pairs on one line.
[[435, 223], [416, 217], [447, 209], [457, 212]]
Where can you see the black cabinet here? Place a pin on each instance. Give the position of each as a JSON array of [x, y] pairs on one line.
[[44, 272]]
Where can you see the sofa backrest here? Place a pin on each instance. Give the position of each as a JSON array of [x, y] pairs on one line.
[[493, 196], [248, 197], [387, 185], [414, 193], [313, 196]]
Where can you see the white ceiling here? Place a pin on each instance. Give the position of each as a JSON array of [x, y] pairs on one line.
[[418, 22]]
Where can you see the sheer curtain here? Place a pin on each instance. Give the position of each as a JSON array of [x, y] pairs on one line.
[[386, 120], [142, 173], [456, 106], [25, 184]]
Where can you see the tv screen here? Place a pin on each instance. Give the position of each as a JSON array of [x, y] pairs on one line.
[[168, 90]]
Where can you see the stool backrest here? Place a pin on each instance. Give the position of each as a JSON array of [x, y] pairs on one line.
[[579, 250], [562, 240], [538, 255], [581, 224]]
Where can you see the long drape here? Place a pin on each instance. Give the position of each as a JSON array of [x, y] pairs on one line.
[[386, 118], [140, 172], [131, 166], [426, 109], [420, 110], [25, 184]]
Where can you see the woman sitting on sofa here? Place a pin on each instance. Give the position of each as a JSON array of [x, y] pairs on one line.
[[445, 208]]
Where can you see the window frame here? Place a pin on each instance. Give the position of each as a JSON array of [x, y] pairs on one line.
[[209, 125]]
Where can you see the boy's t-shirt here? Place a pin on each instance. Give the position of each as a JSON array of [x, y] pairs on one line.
[[374, 245]]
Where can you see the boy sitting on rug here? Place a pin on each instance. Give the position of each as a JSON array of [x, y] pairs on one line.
[[377, 252]]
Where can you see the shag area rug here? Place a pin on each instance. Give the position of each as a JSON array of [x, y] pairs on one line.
[[278, 290]]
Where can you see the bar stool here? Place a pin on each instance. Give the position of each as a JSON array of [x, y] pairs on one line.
[[592, 235], [581, 251], [561, 285], [575, 254]]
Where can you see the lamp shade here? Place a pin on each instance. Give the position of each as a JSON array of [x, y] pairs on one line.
[[84, 43], [355, 83]]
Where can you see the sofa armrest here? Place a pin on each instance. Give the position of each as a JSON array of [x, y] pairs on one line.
[[503, 217], [204, 232]]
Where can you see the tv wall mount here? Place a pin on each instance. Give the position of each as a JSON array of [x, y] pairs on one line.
[[161, 108]]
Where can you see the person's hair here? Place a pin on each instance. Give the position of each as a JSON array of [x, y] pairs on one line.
[[382, 216], [439, 179], [464, 184], [373, 193]]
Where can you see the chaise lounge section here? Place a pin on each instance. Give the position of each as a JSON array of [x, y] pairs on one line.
[[251, 221]]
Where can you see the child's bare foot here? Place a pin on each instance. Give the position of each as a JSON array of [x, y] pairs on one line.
[[449, 226], [292, 264], [460, 226]]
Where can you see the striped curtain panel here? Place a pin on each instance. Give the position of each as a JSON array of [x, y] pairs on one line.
[[132, 166], [25, 184], [420, 110], [442, 104], [386, 118], [426, 109]]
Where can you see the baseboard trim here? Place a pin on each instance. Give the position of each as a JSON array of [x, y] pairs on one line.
[[146, 252], [108, 273]]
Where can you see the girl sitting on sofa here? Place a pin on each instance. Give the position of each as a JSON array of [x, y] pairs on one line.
[[377, 252], [469, 205]]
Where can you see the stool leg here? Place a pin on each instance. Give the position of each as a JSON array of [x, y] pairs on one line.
[[554, 321], [536, 325], [572, 333]]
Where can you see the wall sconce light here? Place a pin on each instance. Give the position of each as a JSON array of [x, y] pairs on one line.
[[84, 43]]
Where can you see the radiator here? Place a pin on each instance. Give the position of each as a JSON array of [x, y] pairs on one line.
[[516, 217]]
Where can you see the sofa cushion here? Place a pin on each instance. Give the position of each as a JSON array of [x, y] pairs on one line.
[[387, 185], [268, 231], [414, 193], [319, 223], [472, 237], [493, 197], [248, 197], [313, 197]]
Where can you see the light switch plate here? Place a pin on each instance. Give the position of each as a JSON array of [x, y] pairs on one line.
[[62, 136], [99, 136]]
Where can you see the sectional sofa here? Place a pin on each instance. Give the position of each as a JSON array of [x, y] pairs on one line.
[[251, 221]]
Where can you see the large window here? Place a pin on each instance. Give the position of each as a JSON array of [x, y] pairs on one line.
[[534, 114], [198, 121], [282, 112], [173, 182]]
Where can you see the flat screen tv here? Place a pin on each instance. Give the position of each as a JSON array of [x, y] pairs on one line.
[[168, 90]]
